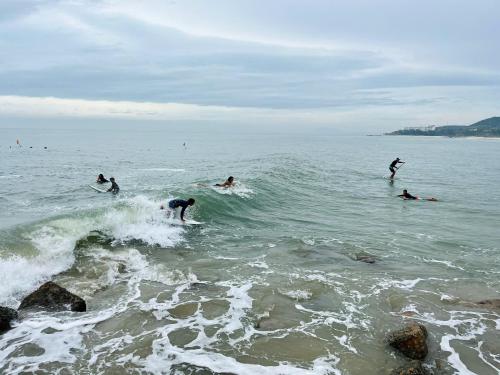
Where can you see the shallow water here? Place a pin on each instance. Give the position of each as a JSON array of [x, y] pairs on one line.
[[270, 283]]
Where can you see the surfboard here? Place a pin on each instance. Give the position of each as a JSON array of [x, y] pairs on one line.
[[97, 189], [187, 222]]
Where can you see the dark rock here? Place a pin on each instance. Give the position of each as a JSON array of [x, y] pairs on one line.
[[365, 258], [53, 297], [411, 368], [6, 316], [410, 340], [122, 268], [490, 304]]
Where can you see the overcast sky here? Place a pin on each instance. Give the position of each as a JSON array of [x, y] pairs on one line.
[[358, 64]]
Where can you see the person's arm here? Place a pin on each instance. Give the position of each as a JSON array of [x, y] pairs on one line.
[[401, 195], [110, 189]]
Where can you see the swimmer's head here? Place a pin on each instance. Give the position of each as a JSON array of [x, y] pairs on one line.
[[230, 178], [190, 201]]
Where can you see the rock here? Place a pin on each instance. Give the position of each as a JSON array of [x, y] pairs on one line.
[[53, 297], [490, 304], [410, 340], [411, 368], [122, 268], [365, 258], [6, 316]]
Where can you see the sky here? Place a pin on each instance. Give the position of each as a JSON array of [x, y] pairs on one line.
[[358, 65]]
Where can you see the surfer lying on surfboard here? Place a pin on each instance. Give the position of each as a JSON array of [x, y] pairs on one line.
[[408, 196], [228, 183], [101, 179], [174, 203]]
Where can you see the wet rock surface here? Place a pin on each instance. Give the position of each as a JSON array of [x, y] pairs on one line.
[[493, 304], [411, 368], [53, 297], [6, 316], [410, 340]]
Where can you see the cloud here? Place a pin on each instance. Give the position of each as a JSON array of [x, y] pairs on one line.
[[317, 57]]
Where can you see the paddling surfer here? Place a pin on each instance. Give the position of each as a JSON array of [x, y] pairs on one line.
[[393, 167], [228, 183], [175, 203], [408, 196]]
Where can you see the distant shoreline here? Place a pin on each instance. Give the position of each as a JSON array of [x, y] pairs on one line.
[[487, 128]]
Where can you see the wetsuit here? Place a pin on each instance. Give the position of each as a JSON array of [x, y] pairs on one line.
[[407, 196], [173, 204], [114, 188], [393, 164]]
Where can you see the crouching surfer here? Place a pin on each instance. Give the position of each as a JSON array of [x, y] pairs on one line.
[[175, 203]]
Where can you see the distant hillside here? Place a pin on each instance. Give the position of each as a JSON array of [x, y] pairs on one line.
[[484, 128]]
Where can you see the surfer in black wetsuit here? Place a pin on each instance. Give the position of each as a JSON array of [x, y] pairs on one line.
[[101, 179], [174, 203], [407, 195], [393, 167], [114, 186], [228, 183]]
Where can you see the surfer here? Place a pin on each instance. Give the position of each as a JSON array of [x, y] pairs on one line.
[[393, 167], [407, 195], [115, 189], [174, 203], [228, 183], [101, 179]]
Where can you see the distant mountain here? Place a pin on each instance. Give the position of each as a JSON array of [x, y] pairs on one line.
[[489, 127]]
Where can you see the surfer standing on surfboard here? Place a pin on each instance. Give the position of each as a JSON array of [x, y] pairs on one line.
[[115, 189], [407, 195], [393, 167], [174, 203]]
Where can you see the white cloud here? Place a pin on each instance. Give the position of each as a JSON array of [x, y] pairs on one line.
[[321, 61]]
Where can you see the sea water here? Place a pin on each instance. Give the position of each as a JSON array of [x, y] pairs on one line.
[[270, 283]]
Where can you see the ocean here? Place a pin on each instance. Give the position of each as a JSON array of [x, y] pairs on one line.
[[270, 283]]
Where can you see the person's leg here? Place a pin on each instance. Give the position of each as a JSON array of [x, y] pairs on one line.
[[393, 171]]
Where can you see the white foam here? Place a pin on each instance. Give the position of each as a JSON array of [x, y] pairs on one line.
[[142, 220], [54, 243], [298, 295], [239, 190], [137, 218]]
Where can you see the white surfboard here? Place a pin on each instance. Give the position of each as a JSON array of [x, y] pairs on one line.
[[97, 189], [187, 222]]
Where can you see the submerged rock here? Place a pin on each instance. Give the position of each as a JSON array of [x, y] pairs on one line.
[[411, 368], [410, 340], [53, 297], [365, 258], [6, 316], [122, 268], [490, 304]]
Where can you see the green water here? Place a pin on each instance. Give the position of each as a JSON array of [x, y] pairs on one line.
[[270, 283]]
